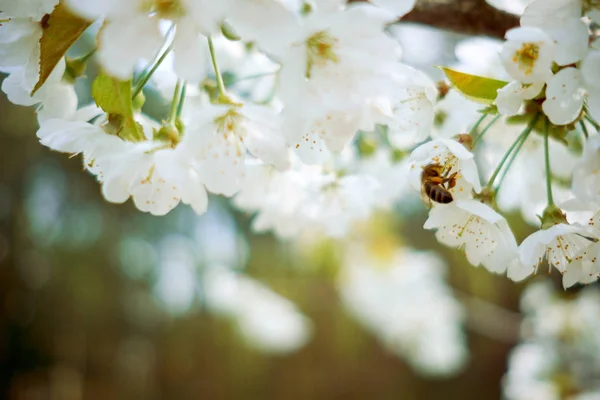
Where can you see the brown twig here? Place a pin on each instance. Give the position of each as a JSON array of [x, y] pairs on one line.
[[469, 17]]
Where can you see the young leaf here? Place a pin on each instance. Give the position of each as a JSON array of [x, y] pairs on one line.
[[114, 97], [476, 88], [60, 31]]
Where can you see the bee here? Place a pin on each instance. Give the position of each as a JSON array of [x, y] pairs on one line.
[[436, 184]]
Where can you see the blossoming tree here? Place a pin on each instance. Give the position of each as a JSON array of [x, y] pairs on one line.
[[319, 124]]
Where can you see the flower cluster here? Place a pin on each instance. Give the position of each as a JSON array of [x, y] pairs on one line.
[[211, 141], [558, 356], [550, 60], [305, 116]]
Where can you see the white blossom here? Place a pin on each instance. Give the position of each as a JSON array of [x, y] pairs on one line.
[[403, 300], [454, 114], [221, 136], [27, 9], [559, 345], [510, 97], [453, 157], [132, 32], [585, 268], [527, 54], [564, 96], [559, 245], [156, 176], [333, 69], [561, 20], [306, 199], [590, 71], [411, 107], [586, 174], [269, 23], [482, 233], [264, 319]]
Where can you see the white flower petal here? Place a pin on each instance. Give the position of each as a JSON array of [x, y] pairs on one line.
[[564, 96]]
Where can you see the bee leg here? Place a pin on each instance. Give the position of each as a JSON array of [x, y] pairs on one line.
[[451, 180]]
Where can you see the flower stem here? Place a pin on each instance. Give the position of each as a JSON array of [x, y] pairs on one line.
[[213, 57], [511, 160], [591, 121], [181, 100], [584, 129], [479, 121], [255, 76], [492, 122], [147, 73], [548, 173], [523, 134], [175, 102], [87, 56]]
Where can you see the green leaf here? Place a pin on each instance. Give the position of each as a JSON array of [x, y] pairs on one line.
[[476, 88], [61, 30], [114, 97]]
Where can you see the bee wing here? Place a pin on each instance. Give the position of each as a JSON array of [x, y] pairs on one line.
[[426, 200]]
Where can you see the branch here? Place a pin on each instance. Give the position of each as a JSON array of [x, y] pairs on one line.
[[469, 17]]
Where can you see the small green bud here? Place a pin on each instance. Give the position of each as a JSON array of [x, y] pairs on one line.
[[551, 216], [366, 146], [138, 101], [114, 124], [74, 69], [486, 196], [439, 118], [167, 133], [306, 8], [398, 155], [229, 32], [180, 126]]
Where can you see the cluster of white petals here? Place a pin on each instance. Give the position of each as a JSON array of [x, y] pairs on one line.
[[559, 349], [552, 50], [403, 299], [304, 115], [265, 320], [315, 76]]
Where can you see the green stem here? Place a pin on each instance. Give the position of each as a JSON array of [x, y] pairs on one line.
[[547, 162], [175, 102], [511, 160], [523, 134], [181, 100], [591, 121], [86, 57], [256, 76], [584, 129], [213, 57], [147, 73], [492, 122], [479, 121]]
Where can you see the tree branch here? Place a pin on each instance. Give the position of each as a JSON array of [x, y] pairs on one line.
[[469, 17]]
